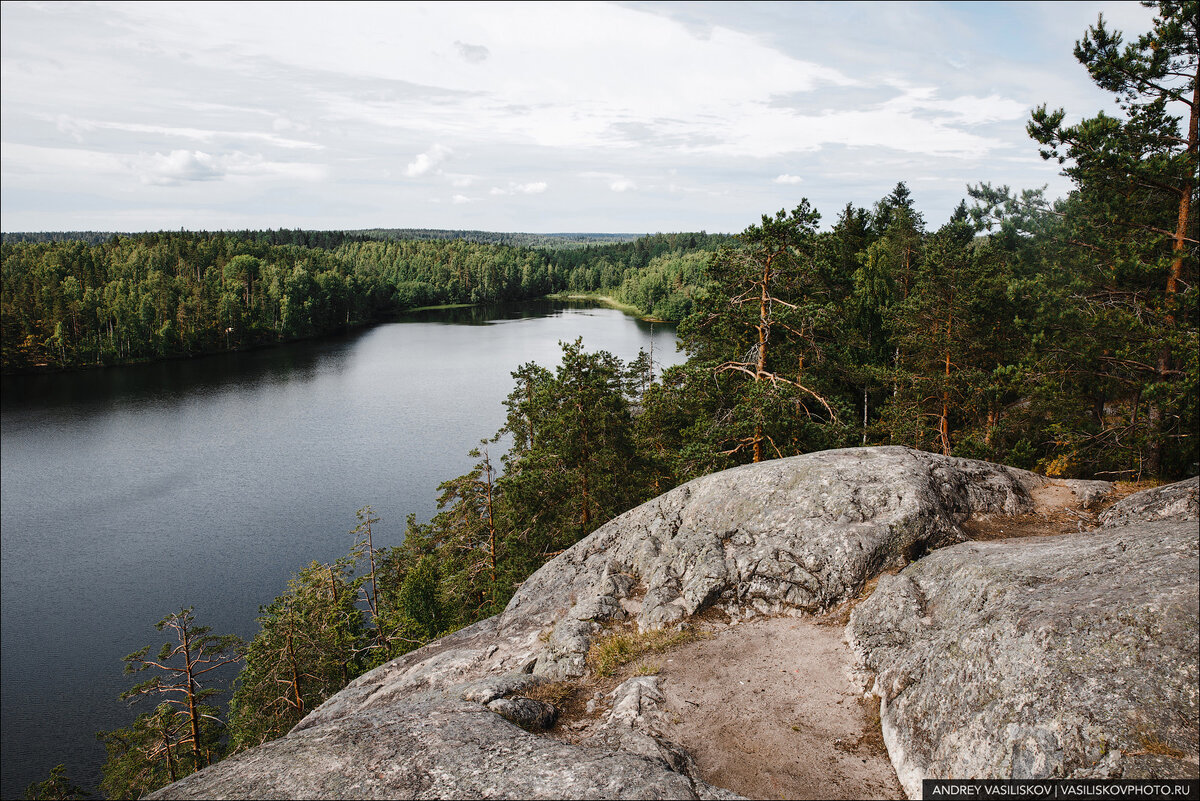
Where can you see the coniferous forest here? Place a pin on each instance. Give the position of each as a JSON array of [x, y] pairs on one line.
[[1054, 335]]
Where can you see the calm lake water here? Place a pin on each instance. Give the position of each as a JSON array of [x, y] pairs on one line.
[[130, 492]]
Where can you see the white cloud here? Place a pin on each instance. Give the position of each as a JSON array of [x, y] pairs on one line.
[[180, 166], [788, 179], [473, 54], [687, 100], [284, 124], [531, 188], [173, 168], [424, 162], [459, 200], [967, 109], [616, 182], [76, 127], [176, 167], [617, 64]]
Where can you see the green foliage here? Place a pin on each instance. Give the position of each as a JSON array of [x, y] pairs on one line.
[[416, 617], [307, 648], [1127, 240], [110, 300], [155, 751], [473, 533], [57, 787], [760, 328], [574, 462], [667, 287], [183, 734], [940, 368], [144, 756]]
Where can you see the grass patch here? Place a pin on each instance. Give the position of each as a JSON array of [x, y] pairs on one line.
[[1122, 490], [555, 693], [606, 300], [620, 648], [1130, 487], [441, 306]]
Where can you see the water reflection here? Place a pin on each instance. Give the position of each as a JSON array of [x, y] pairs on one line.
[[166, 381], [130, 492]]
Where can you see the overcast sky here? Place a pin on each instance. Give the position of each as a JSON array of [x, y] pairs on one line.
[[548, 117]]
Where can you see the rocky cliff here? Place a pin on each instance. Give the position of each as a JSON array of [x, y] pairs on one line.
[[1037, 694]]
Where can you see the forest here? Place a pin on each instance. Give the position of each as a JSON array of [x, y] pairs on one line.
[[1059, 336], [74, 303]]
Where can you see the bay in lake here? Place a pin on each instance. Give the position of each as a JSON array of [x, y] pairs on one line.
[[128, 493]]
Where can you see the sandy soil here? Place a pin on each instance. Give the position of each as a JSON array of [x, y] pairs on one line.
[[1057, 510], [768, 711], [767, 708]]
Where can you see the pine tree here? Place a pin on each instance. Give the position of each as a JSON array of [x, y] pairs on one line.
[[934, 328], [57, 787], [574, 462], [184, 733], [1131, 228], [306, 649], [472, 532], [146, 755], [760, 330], [182, 666]]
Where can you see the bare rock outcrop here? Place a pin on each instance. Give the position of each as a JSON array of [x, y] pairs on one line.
[[433, 745], [1071, 656], [792, 536], [1179, 502]]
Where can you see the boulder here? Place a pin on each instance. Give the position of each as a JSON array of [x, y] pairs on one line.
[[796, 535], [1070, 656], [528, 713]]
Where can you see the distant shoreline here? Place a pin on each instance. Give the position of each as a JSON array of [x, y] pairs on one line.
[[607, 300]]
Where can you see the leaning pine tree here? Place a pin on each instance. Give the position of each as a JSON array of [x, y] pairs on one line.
[[183, 734], [307, 648]]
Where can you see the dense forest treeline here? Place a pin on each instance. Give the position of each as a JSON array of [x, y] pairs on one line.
[[513, 239], [1058, 336], [160, 295], [332, 238]]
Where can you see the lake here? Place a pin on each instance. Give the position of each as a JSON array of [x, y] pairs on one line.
[[128, 493]]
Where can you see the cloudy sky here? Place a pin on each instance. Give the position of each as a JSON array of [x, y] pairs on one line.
[[547, 117]]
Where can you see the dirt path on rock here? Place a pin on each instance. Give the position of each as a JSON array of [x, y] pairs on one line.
[[767, 710], [1058, 508]]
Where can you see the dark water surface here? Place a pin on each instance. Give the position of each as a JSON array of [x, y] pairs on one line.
[[127, 493]]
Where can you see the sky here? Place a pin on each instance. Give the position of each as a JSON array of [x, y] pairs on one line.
[[544, 117]]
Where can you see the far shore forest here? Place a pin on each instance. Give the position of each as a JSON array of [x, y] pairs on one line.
[[1058, 336]]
